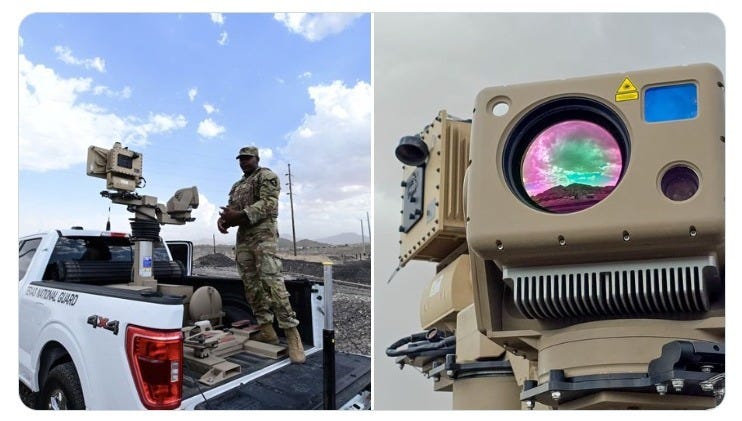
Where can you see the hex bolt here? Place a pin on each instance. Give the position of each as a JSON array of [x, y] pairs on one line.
[[556, 395], [707, 386], [530, 404], [661, 388], [706, 368], [678, 384]]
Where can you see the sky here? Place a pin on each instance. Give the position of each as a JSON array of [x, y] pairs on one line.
[[188, 90], [483, 50]]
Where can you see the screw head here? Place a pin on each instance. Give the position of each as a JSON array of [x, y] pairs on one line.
[[678, 384], [556, 395], [661, 389], [707, 386], [530, 404]]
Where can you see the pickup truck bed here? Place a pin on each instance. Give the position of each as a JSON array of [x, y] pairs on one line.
[[288, 386], [268, 383]]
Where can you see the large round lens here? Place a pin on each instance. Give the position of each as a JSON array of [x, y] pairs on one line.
[[571, 165]]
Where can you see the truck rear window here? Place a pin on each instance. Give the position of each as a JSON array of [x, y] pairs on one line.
[[101, 249]]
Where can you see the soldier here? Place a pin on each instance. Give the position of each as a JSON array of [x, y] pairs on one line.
[[253, 207]]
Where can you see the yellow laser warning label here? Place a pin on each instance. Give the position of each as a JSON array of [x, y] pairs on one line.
[[627, 91]]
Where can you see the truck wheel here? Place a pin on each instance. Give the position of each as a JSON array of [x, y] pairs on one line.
[[62, 389], [27, 396]]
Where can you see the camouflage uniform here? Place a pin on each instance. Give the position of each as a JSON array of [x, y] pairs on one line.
[[256, 196]]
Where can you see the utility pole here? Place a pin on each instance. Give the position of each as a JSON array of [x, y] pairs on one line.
[[363, 241], [291, 199], [368, 225]]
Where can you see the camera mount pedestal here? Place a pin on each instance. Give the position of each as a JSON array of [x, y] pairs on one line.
[[145, 229]]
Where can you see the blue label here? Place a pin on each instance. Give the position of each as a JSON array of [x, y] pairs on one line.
[[147, 263]]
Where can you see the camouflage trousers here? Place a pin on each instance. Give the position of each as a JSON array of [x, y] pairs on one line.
[[260, 270]]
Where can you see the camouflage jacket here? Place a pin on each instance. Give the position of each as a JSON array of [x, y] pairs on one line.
[[256, 196]]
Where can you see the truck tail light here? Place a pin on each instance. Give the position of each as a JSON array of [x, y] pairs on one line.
[[156, 362]]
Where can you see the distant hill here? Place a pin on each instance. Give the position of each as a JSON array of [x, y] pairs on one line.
[[309, 243], [284, 243], [344, 238], [573, 191], [334, 240], [574, 197]]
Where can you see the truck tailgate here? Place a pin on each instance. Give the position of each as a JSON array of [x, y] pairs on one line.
[[296, 386]]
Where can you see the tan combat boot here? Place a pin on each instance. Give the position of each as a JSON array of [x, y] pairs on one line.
[[266, 334], [296, 349]]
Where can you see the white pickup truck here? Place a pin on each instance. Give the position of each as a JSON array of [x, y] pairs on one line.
[[89, 340]]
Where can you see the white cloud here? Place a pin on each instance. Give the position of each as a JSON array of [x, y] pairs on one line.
[[279, 80], [330, 157], [217, 18], [160, 123], [105, 90], [192, 93], [353, 188], [208, 128], [266, 156], [210, 108], [305, 75], [316, 26], [20, 41], [222, 38], [56, 126], [65, 54]]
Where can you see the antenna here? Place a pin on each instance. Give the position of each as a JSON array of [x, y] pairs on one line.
[[108, 223]]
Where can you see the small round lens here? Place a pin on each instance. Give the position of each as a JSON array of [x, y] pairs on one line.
[[679, 183], [571, 166]]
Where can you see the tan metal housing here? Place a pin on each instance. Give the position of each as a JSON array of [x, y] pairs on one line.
[[634, 228]]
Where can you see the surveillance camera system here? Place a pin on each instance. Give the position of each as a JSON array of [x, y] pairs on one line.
[[592, 221], [121, 167], [122, 170]]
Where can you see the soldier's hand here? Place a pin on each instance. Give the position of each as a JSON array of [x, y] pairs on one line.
[[230, 217], [220, 226]]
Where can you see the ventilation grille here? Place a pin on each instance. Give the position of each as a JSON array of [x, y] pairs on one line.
[[457, 159], [606, 291]]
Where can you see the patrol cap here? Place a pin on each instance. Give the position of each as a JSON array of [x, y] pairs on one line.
[[248, 151]]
